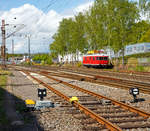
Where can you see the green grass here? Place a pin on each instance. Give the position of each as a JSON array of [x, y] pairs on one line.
[[3, 80]]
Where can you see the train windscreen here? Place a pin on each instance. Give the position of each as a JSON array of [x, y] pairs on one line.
[[105, 58], [101, 58]]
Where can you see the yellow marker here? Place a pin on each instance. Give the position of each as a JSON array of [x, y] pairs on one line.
[[74, 98], [29, 102]]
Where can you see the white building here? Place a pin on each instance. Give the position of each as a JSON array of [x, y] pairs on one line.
[[137, 48], [70, 58], [129, 50]]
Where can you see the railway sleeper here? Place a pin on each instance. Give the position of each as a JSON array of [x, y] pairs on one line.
[[66, 105], [91, 103], [118, 115], [88, 121], [128, 120], [135, 125], [88, 99], [110, 111], [81, 116], [101, 107], [93, 128], [92, 108], [108, 107], [73, 111], [91, 121]]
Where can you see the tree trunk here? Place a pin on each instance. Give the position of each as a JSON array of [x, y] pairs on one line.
[[123, 58]]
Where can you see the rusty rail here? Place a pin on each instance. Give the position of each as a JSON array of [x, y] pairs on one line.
[[93, 115], [94, 79], [103, 80], [127, 107]]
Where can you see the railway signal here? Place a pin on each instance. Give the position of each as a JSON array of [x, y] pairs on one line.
[[134, 92], [39, 104], [42, 93]]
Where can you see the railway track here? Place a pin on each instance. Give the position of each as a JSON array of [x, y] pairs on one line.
[[105, 112], [103, 80], [119, 74], [125, 75], [134, 76], [114, 82]]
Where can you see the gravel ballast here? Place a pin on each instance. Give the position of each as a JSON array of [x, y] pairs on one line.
[[57, 119]]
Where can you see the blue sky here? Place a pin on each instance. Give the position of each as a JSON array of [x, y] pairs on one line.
[[57, 5], [41, 21]]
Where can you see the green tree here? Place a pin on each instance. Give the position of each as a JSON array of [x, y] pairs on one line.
[[145, 37], [138, 30]]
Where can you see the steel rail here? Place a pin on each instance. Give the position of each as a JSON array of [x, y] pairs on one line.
[[121, 80], [93, 115], [129, 82], [127, 107], [95, 80], [108, 71]]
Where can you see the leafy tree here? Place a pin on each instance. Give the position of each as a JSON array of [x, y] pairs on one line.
[[138, 30], [145, 37], [43, 58], [77, 33], [109, 23]]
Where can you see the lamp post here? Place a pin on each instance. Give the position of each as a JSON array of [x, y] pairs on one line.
[[3, 53], [29, 49], [4, 37]]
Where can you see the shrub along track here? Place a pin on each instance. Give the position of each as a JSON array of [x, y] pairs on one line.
[[113, 114]]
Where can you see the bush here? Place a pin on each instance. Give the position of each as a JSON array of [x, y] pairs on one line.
[[79, 64], [139, 68], [43, 59], [133, 62], [42, 62]]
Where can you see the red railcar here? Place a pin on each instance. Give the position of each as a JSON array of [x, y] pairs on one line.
[[97, 60]]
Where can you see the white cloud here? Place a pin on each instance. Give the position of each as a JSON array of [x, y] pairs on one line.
[[83, 7], [19, 45], [39, 24]]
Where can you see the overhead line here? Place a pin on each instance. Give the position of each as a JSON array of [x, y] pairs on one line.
[[49, 5]]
